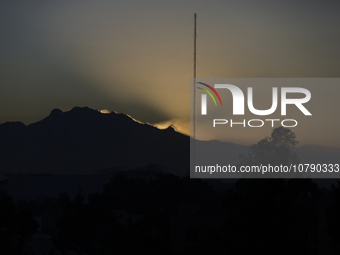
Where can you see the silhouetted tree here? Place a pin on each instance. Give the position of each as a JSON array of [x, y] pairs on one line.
[[16, 228], [93, 228], [333, 218], [272, 215], [120, 220], [274, 150], [76, 227], [276, 216]]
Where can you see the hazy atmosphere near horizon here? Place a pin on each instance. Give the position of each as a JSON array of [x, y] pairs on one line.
[[135, 57], [102, 151]]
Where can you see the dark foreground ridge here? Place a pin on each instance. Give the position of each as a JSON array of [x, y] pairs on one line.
[[106, 184]]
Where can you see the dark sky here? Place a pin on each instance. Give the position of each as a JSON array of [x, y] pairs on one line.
[[135, 56]]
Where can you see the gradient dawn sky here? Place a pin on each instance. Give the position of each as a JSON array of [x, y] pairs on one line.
[[135, 57]]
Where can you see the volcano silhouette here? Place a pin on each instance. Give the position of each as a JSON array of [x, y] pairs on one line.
[[83, 140]]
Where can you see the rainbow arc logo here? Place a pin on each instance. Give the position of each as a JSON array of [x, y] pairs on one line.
[[204, 97], [208, 92]]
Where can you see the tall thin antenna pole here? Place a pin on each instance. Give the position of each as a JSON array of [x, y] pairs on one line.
[[194, 105]]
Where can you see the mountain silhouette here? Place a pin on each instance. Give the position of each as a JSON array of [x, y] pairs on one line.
[[83, 141]]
